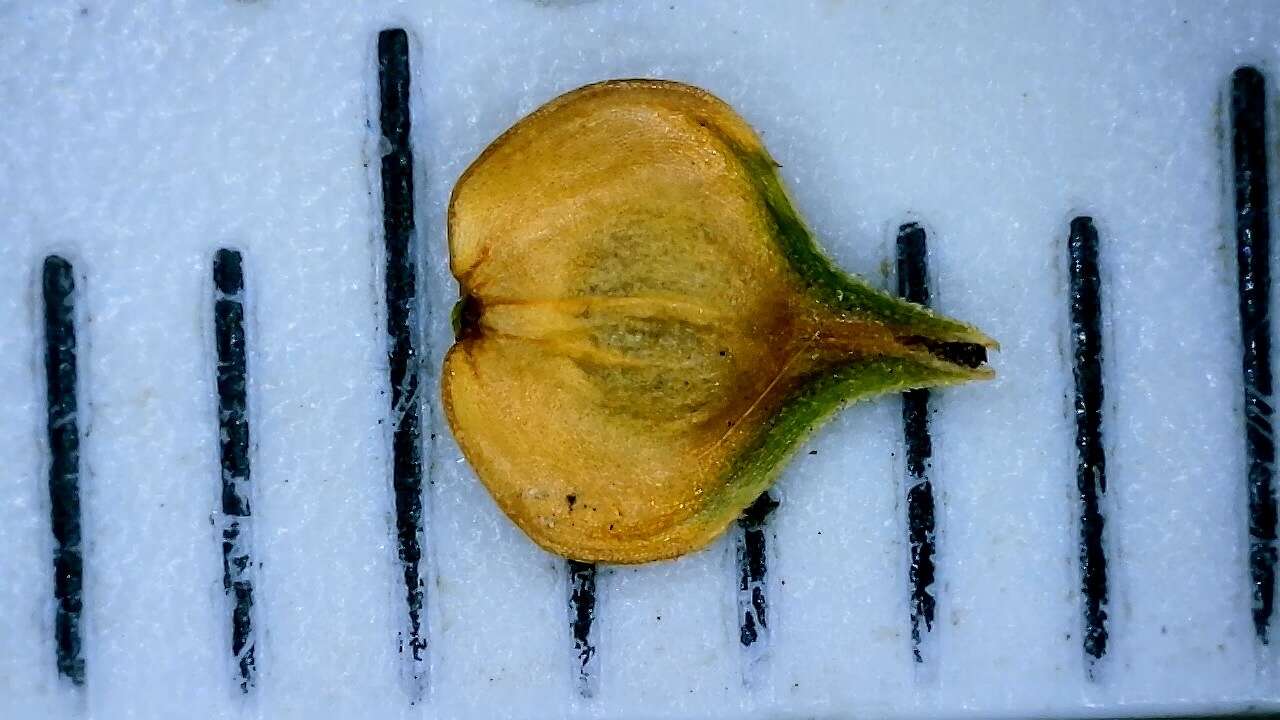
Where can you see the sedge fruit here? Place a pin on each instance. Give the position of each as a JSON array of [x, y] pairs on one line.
[[646, 329]]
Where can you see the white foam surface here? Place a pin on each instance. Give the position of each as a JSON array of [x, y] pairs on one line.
[[137, 138]]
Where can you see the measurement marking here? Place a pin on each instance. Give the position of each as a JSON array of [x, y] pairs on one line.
[[1091, 476], [64, 467], [233, 423], [913, 285], [582, 613], [752, 553], [1253, 258], [400, 236]]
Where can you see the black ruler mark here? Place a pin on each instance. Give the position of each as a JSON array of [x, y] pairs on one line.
[[1253, 258], [913, 285], [233, 424], [582, 614], [64, 467], [753, 568], [1091, 475], [400, 236]]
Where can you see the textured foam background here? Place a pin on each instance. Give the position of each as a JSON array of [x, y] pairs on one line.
[[138, 137]]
